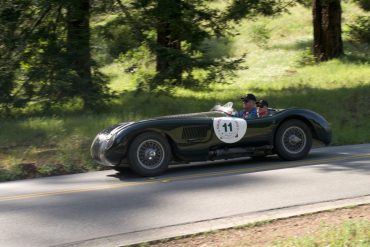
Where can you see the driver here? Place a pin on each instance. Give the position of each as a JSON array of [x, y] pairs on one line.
[[249, 107]]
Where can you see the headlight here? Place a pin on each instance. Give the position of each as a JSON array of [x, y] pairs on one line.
[[110, 141]]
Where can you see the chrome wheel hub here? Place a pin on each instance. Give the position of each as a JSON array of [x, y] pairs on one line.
[[294, 139], [150, 154]]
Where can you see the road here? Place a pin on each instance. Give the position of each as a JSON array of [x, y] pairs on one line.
[[65, 209]]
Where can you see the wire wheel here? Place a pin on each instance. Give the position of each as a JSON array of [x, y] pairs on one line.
[[294, 139], [150, 154]]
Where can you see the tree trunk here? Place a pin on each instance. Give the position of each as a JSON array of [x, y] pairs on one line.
[[168, 65], [328, 42], [78, 45]]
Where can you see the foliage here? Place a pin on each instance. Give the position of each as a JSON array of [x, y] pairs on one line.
[[306, 58], [181, 50], [260, 34], [37, 64], [359, 29], [305, 3], [45, 61], [113, 38], [240, 9], [175, 32], [364, 4], [33, 137], [11, 15]]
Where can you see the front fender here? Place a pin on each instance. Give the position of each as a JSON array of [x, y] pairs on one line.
[[319, 126]]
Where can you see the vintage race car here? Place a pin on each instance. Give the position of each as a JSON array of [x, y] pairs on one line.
[[147, 147]]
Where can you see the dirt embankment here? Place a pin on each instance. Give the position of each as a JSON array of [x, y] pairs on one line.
[[265, 234]]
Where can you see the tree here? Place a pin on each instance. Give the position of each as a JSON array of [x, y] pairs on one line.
[[328, 42], [175, 32], [45, 54], [169, 38], [78, 49], [11, 13], [180, 27]]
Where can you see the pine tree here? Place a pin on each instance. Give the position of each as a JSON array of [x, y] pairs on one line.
[[181, 27], [45, 54]]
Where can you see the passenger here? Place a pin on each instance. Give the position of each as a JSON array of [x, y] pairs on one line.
[[262, 108], [249, 107]]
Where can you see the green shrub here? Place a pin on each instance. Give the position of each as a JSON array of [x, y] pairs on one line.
[[51, 169], [359, 29], [73, 152], [260, 34], [24, 170], [6, 175], [305, 58]]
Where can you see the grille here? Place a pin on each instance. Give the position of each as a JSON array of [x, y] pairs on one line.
[[194, 133]]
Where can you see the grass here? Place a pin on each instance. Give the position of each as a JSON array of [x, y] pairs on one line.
[[337, 227], [349, 233], [339, 90]]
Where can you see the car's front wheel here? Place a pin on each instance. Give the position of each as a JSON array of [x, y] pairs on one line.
[[149, 154], [293, 140]]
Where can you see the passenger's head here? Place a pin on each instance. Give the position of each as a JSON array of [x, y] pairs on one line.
[[262, 108], [249, 101], [262, 104]]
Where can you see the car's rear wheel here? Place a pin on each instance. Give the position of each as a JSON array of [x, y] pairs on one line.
[[149, 154], [293, 140]]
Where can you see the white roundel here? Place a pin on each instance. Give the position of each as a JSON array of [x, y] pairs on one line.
[[228, 129]]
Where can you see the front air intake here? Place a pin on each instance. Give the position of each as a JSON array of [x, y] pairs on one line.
[[194, 133]]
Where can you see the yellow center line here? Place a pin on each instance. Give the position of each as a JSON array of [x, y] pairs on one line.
[[72, 191], [184, 177]]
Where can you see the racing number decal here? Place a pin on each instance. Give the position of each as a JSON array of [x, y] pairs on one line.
[[228, 129], [228, 125]]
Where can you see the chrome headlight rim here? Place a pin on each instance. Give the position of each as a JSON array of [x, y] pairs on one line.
[[110, 141]]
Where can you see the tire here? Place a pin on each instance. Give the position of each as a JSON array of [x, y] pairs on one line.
[[293, 140], [149, 154]]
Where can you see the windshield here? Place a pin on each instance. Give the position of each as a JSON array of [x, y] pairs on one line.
[[226, 108]]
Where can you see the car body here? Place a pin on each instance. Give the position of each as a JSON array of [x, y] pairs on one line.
[[149, 146]]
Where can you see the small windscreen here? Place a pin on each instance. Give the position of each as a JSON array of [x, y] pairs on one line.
[[226, 108]]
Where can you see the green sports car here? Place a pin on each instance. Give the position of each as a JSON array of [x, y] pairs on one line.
[[147, 147]]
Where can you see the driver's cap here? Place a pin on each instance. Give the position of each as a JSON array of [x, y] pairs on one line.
[[248, 97]]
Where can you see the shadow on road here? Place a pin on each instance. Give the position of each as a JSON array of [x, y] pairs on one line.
[[239, 166]]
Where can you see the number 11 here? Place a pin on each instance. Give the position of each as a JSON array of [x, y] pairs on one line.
[[230, 127]]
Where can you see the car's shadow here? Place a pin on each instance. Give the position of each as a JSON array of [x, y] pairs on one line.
[[224, 167]]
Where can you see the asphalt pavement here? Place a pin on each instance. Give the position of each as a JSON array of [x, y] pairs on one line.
[[80, 208]]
